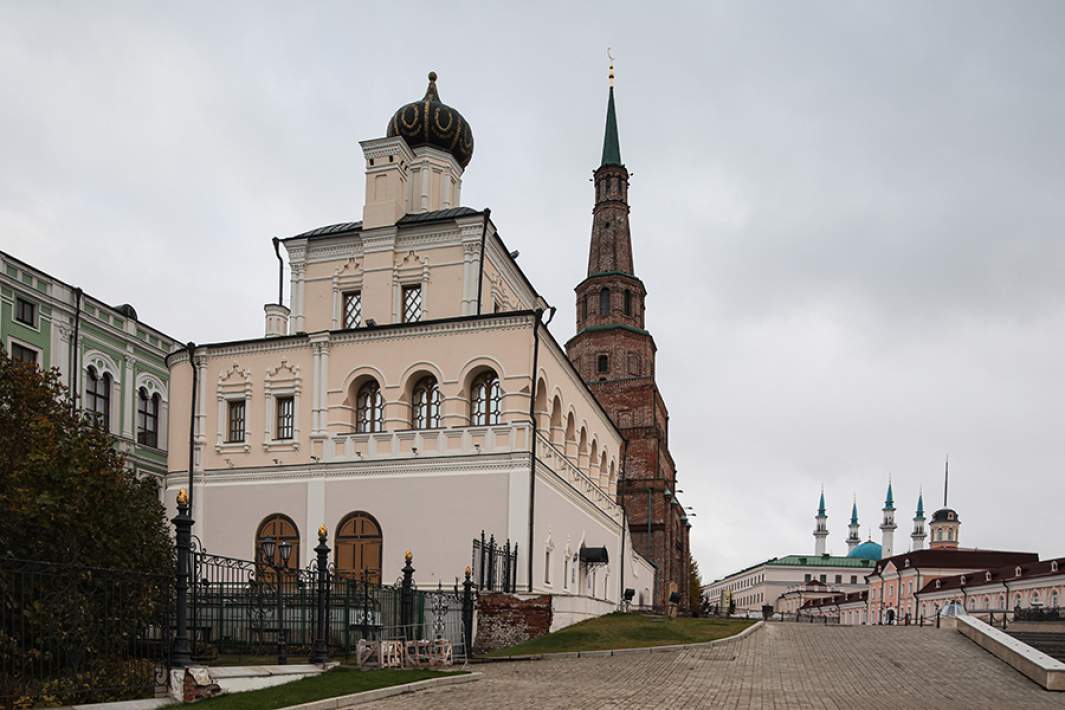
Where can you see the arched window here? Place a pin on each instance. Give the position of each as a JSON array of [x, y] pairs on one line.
[[369, 408], [273, 531], [425, 404], [98, 397], [628, 302], [358, 547], [604, 302], [485, 400], [147, 418]]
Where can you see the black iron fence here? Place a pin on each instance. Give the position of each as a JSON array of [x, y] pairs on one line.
[[1038, 613], [77, 634], [495, 566], [239, 608]]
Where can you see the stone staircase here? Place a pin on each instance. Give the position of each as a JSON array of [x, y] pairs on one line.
[[1050, 643]]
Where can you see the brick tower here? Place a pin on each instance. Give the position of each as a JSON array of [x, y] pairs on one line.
[[615, 355]]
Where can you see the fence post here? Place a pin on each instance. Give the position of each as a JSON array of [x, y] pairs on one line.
[[406, 603], [183, 523], [320, 652], [467, 614]]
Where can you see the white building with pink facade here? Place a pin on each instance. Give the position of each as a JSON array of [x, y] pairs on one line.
[[410, 396]]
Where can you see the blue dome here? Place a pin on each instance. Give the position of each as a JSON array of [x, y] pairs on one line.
[[868, 550]]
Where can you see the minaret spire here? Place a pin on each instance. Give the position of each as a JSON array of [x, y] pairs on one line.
[[611, 143]]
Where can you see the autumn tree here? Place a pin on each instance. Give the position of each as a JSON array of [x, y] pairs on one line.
[[65, 493]]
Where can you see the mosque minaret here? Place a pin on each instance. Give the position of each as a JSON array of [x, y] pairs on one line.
[[918, 535], [821, 530], [887, 528], [853, 538]]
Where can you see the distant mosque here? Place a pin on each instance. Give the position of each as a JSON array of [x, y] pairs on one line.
[[944, 529]]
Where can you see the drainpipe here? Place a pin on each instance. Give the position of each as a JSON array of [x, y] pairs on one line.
[[624, 521], [75, 363], [898, 597], [532, 418], [280, 272], [1006, 606], [480, 283], [916, 604], [191, 349]]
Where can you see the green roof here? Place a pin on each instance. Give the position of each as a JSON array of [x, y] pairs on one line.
[[815, 561]]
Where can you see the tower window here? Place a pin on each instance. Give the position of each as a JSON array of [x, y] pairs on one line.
[[584, 309], [604, 302], [628, 302], [353, 309], [602, 364], [412, 304]]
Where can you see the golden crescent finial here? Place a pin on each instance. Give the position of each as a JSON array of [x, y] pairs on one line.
[[610, 56]]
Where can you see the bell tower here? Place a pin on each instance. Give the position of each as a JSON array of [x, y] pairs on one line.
[[615, 355]]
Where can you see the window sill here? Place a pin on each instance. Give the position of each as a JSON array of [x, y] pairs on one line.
[[233, 447], [281, 445]]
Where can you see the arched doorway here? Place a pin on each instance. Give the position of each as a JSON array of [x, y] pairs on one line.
[[890, 616], [358, 547], [276, 529]]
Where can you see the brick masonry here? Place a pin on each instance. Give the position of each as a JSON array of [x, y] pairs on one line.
[[507, 619], [615, 355]]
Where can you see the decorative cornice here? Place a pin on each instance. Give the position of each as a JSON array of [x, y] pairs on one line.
[[477, 464]]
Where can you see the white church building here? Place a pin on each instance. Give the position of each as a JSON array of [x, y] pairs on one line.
[[410, 396]]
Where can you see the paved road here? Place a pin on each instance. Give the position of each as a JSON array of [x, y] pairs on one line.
[[781, 666]]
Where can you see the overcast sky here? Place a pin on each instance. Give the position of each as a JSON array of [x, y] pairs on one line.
[[850, 217]]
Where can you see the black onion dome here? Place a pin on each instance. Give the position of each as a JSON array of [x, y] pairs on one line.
[[432, 122]]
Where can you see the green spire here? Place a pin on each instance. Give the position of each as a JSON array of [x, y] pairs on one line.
[[920, 505], [889, 502], [821, 505], [611, 145], [854, 513]]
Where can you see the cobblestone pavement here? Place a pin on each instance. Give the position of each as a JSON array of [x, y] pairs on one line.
[[780, 666]]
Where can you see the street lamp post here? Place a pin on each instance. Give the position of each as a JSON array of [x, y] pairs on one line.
[[267, 549]]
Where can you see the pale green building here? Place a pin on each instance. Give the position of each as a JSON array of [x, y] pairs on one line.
[[111, 359]]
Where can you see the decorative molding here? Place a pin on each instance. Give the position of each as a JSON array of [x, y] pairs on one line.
[[281, 381], [476, 465], [234, 383]]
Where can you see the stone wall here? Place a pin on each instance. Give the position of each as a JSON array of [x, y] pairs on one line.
[[508, 619]]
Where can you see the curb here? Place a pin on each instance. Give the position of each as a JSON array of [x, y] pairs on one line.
[[368, 696], [622, 651]]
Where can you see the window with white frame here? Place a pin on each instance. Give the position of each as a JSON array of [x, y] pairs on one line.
[[20, 353], [98, 396], [485, 400], [26, 312], [286, 417], [412, 303], [369, 408], [352, 309], [235, 421]]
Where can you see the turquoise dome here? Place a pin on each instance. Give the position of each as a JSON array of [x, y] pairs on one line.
[[868, 550]]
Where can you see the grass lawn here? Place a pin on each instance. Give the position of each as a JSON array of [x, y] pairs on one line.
[[342, 680], [626, 631]]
